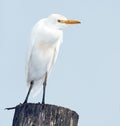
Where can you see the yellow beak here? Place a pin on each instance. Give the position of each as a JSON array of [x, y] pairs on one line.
[[69, 21]]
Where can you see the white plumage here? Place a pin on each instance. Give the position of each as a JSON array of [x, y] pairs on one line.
[[46, 38]]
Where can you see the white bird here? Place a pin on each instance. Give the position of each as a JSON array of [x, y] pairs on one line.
[[46, 38]]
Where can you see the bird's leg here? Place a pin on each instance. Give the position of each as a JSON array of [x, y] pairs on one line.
[[26, 99], [44, 88]]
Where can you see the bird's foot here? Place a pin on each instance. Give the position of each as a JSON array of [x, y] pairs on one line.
[[10, 108], [43, 105]]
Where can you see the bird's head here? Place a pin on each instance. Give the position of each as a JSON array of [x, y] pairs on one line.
[[58, 21]]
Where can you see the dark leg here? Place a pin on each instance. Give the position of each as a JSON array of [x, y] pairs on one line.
[[31, 85], [44, 87]]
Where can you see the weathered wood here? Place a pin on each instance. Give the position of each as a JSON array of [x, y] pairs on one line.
[[31, 114]]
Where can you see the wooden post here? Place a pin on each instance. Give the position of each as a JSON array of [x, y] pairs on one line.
[[32, 114]]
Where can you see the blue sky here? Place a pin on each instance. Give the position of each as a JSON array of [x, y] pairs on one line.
[[86, 76]]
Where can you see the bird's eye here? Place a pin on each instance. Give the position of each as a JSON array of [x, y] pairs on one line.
[[58, 20]]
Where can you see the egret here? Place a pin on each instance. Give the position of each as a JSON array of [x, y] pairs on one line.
[[46, 38]]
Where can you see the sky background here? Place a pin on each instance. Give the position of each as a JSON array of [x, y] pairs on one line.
[[86, 76]]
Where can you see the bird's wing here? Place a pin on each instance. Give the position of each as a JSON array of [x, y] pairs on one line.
[[55, 54], [31, 45], [31, 74]]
